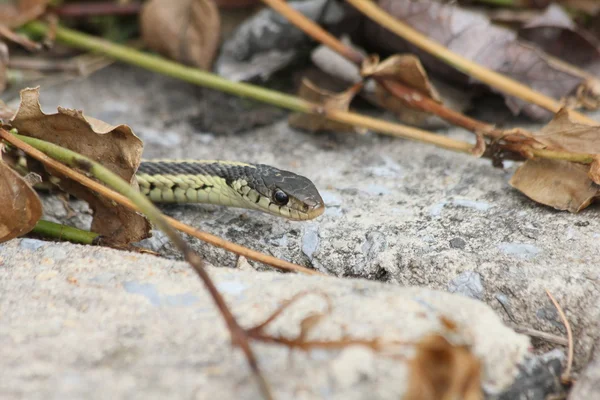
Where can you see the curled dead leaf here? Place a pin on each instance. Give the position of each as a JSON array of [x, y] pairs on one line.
[[407, 70], [115, 147], [560, 184], [187, 31], [442, 371], [329, 101], [20, 207], [343, 71]]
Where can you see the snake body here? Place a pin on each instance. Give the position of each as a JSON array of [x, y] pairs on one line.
[[234, 184]]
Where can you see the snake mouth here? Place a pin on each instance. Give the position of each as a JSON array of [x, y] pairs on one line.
[[295, 215], [316, 212], [312, 213]]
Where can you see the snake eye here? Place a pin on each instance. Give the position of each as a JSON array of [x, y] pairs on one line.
[[280, 197]]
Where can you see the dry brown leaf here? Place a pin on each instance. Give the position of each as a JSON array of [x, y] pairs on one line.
[[20, 207], [408, 70], [15, 13], [329, 101], [187, 31], [442, 371], [115, 147], [337, 70], [560, 184], [405, 68], [564, 133]]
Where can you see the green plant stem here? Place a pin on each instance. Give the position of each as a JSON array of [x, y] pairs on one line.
[[207, 79], [158, 64], [40, 150], [198, 77], [64, 232]]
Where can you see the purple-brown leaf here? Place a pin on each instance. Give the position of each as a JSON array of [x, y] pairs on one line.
[[473, 36]]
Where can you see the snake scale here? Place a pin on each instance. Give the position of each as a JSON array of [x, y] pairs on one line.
[[233, 184]]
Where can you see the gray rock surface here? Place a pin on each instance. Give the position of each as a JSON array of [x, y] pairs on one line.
[[395, 208], [95, 323], [538, 379]]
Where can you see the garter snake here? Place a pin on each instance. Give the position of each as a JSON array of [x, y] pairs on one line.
[[234, 184]]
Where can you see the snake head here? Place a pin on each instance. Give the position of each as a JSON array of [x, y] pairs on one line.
[[287, 194]]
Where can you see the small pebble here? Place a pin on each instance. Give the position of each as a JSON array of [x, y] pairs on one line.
[[310, 240], [476, 205], [521, 250], [31, 244], [458, 243], [468, 284], [375, 244]]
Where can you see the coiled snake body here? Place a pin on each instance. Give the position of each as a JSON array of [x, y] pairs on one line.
[[233, 184]]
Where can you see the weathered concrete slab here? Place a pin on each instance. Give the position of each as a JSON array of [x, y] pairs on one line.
[[94, 323]]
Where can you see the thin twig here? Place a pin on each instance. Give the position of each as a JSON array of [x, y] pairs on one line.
[[236, 248], [410, 96], [416, 99], [238, 335], [18, 39], [541, 335], [566, 376], [287, 304], [488, 76], [42, 64], [212, 81]]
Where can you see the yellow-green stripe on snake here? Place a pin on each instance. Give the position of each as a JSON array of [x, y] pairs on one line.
[[234, 184]]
